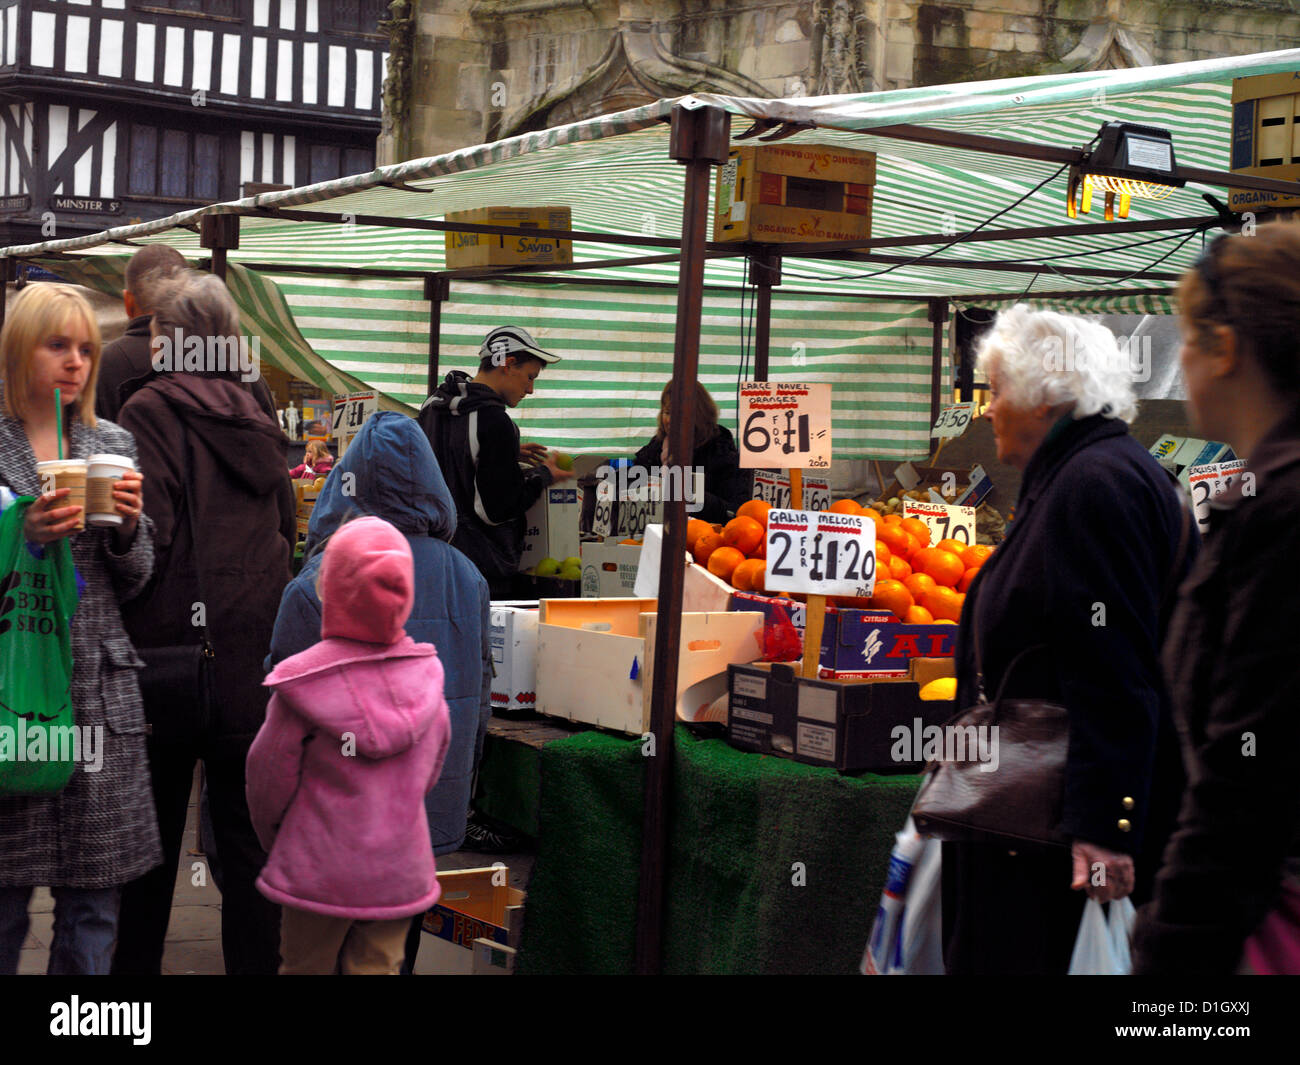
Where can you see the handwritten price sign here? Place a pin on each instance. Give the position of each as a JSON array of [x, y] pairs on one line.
[[773, 487], [946, 521], [787, 426], [820, 553], [1207, 482], [351, 412], [953, 420]]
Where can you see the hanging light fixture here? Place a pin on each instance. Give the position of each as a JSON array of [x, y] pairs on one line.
[[1129, 161]]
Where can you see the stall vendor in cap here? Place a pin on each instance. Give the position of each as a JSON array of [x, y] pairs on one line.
[[491, 477]]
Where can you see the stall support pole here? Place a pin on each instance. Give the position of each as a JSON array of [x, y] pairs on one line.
[[6, 275], [939, 318], [220, 232], [765, 269], [699, 140], [437, 289]]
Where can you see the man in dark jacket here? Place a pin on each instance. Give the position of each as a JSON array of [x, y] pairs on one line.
[[223, 513], [477, 446], [125, 363]]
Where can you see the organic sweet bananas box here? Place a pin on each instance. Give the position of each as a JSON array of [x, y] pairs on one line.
[[859, 644]]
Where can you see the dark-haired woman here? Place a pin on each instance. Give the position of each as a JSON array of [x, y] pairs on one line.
[[1227, 898], [715, 454]]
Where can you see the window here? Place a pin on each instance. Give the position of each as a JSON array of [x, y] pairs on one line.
[[328, 161], [174, 163], [353, 16]]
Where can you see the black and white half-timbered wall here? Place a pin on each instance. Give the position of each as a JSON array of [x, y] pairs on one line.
[[115, 111]]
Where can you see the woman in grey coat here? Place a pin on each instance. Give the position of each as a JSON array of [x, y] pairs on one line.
[[100, 831]]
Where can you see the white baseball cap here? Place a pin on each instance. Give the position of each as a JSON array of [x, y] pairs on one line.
[[512, 340]]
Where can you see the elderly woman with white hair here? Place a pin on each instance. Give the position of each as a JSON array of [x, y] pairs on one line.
[[1079, 584]]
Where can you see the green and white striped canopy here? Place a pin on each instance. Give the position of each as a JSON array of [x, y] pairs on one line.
[[862, 326]]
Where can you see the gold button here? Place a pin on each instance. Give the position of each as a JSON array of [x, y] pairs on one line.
[[1124, 825], [1128, 802]]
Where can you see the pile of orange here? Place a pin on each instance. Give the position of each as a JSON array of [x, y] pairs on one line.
[[737, 551], [916, 582]]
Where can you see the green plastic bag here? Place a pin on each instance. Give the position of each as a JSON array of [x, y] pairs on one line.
[[39, 741]]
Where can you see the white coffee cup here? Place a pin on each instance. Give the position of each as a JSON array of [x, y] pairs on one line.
[[102, 472]]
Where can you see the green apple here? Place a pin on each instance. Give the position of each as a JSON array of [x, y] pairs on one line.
[[563, 460], [547, 567], [572, 562]]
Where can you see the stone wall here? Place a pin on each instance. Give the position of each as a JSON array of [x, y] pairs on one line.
[[485, 69]]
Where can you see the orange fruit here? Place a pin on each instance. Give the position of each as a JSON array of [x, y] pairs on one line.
[[919, 584], [883, 555], [966, 578], [893, 596], [955, 546], [756, 509], [892, 519], [706, 545], [743, 534], [633, 543], [874, 515], [723, 562], [944, 621], [943, 566], [918, 615], [895, 537], [761, 550], [943, 603], [844, 506], [976, 555], [749, 575], [899, 569], [917, 530], [694, 530]]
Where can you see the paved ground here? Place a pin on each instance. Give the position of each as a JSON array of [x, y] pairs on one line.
[[194, 935]]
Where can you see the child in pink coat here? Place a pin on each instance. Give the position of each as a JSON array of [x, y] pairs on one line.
[[354, 737]]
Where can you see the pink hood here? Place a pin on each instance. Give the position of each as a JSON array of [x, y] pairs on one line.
[[355, 736], [367, 582]]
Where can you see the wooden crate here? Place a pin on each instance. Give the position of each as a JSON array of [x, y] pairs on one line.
[[603, 676]]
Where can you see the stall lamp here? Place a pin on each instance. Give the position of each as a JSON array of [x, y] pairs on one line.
[[1129, 161]]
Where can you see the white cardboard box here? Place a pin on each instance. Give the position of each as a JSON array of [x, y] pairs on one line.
[[599, 656], [551, 526], [513, 635], [609, 569]]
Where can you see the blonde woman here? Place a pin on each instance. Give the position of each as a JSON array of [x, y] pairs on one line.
[[100, 831]]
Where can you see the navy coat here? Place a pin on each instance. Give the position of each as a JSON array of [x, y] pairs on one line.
[[389, 471], [1083, 572]]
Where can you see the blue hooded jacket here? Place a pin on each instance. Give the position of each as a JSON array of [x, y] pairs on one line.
[[389, 471]]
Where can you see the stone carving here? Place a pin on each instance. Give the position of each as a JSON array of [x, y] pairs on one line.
[[1106, 45], [400, 27]]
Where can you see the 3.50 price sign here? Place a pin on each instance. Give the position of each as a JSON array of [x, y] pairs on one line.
[[953, 420], [787, 426], [820, 553]]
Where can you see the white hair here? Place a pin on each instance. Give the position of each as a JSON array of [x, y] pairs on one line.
[[1043, 357]]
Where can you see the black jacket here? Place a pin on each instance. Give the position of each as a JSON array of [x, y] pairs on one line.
[[205, 437], [477, 446], [123, 365], [1082, 572], [725, 484], [1234, 675]]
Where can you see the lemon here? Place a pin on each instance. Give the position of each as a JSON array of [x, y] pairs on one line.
[[943, 688]]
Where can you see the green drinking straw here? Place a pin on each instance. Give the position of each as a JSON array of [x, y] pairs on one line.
[[58, 422]]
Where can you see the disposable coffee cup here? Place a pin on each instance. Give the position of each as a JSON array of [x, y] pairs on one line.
[[104, 471], [66, 473]]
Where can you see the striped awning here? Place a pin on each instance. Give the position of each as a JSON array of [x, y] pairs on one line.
[[861, 325]]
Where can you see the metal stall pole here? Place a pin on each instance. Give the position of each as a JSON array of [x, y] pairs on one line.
[[437, 289], [220, 232], [939, 318], [700, 138], [765, 268]]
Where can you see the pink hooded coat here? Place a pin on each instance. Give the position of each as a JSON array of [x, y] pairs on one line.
[[355, 736]]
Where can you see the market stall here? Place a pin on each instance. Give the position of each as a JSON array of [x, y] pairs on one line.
[[346, 296]]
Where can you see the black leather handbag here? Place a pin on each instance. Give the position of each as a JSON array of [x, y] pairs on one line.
[[177, 681]]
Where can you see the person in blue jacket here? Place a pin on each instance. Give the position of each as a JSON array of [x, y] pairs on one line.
[[389, 471]]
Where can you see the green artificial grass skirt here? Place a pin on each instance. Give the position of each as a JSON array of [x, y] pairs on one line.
[[774, 866]]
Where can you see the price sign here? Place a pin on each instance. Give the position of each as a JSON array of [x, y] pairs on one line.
[[602, 522], [953, 420], [787, 426], [773, 487], [945, 521], [1206, 483], [351, 412], [820, 553]]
